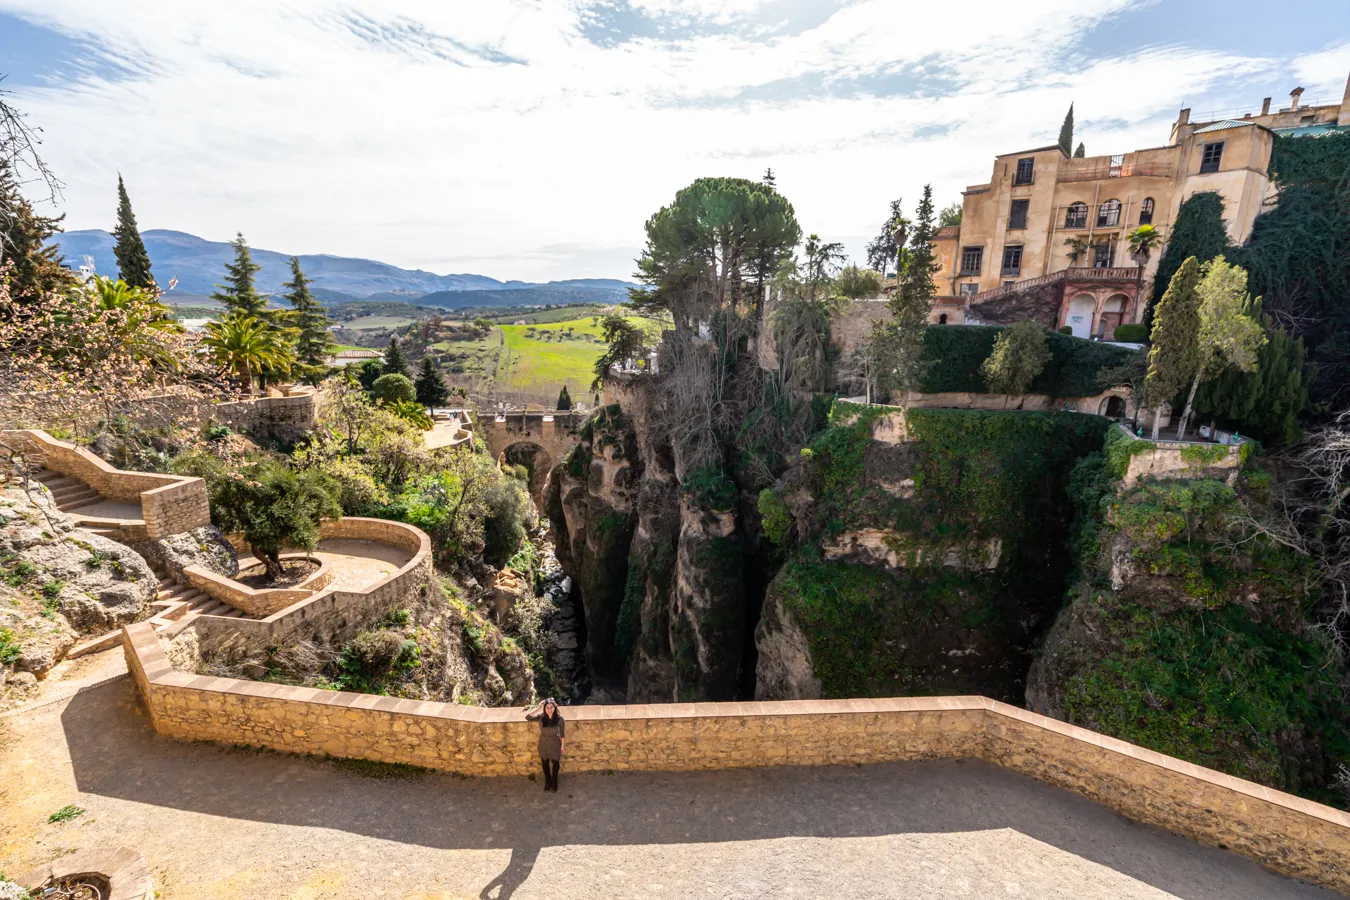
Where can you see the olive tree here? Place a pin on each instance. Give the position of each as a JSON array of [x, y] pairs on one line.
[[273, 506], [1020, 354]]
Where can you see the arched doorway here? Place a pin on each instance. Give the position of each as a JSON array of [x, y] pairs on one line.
[[1113, 407], [1079, 317], [536, 461], [1113, 312]]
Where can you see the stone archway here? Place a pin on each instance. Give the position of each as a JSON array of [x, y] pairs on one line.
[[1114, 407], [536, 460], [1113, 313], [1079, 315]]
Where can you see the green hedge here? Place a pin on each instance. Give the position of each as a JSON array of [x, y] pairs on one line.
[[953, 356], [1133, 334]]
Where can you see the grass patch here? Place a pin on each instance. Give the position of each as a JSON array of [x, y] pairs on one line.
[[369, 768], [66, 813]]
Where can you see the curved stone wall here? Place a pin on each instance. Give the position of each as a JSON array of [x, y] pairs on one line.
[[332, 613], [1286, 833]]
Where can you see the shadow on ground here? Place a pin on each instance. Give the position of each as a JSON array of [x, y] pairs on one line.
[[115, 753]]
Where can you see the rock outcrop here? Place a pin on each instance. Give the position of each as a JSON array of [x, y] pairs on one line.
[[205, 547], [66, 581]]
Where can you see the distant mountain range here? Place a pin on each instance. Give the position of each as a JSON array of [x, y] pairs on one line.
[[199, 265]]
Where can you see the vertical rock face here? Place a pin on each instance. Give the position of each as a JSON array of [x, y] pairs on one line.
[[784, 670], [592, 502], [707, 625]]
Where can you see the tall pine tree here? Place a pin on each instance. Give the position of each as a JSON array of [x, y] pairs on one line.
[[431, 387], [313, 341], [1066, 133], [564, 399], [238, 293], [37, 268], [916, 288], [1198, 233], [133, 263], [395, 363]]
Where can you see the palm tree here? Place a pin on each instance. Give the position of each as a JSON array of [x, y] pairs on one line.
[[143, 308], [244, 344], [1143, 241]]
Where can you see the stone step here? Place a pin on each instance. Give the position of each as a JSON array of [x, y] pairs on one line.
[[61, 483], [79, 502], [214, 608], [46, 476], [61, 491]]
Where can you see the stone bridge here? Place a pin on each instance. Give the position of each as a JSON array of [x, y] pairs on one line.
[[532, 439]]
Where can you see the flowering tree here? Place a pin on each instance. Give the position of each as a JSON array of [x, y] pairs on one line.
[[81, 358]]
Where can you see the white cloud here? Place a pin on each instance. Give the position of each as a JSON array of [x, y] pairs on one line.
[[494, 137]]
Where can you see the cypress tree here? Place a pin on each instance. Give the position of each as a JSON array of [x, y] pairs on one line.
[[238, 293], [431, 387], [37, 267], [313, 341], [1066, 133], [1198, 233], [394, 361], [916, 288], [133, 263], [1173, 354], [564, 400], [1081, 152]]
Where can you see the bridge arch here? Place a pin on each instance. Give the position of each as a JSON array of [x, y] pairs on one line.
[[553, 434]]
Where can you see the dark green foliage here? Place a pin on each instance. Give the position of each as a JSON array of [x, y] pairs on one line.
[[273, 506], [1065, 329], [9, 647], [393, 388], [395, 363], [1221, 690], [950, 215], [1019, 356], [1081, 152], [717, 244], [1066, 132], [710, 488], [373, 658], [369, 372], [313, 341], [432, 390], [239, 293], [37, 267], [1131, 333], [564, 399], [883, 251], [1298, 255], [953, 358], [1266, 403], [857, 283], [916, 288], [627, 344], [1198, 232], [133, 262], [1173, 353]]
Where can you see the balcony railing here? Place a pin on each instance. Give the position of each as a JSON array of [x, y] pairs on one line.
[[1124, 170], [1073, 273]]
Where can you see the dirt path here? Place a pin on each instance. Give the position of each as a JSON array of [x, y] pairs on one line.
[[224, 823]]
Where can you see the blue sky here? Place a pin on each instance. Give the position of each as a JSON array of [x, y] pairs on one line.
[[531, 138]]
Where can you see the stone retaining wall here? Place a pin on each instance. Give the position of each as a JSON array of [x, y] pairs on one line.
[[259, 601], [1283, 832], [284, 418], [1168, 459], [170, 504], [334, 614]]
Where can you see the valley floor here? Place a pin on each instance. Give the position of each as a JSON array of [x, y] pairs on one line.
[[225, 823]]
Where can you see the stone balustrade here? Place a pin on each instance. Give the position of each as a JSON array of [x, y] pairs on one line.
[[1286, 833]]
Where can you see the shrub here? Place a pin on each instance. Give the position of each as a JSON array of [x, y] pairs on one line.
[[410, 411], [775, 516], [1019, 355], [1065, 329], [66, 813], [710, 488], [1132, 333], [953, 360], [393, 388], [9, 648]]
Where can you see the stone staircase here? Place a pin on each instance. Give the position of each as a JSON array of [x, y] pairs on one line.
[[69, 492]]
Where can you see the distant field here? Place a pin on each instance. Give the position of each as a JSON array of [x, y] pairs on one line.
[[376, 323], [539, 363]]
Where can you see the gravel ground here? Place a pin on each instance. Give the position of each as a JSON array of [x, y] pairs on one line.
[[222, 823]]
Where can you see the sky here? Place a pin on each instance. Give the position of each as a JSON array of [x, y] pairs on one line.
[[531, 139]]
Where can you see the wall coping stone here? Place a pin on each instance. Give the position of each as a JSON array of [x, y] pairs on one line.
[[1310, 840]]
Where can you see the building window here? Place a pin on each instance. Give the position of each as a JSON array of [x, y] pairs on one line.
[[1209, 159], [970, 289], [1108, 214], [1076, 216], [1026, 171], [1012, 260], [1146, 212], [1101, 255], [1017, 215], [972, 259]]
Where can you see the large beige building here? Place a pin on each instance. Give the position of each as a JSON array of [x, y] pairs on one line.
[[1047, 236]]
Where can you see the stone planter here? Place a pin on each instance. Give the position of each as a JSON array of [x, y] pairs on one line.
[[123, 868]]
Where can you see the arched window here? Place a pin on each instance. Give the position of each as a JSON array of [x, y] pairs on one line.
[[1076, 215], [942, 319], [1146, 212], [1108, 214]]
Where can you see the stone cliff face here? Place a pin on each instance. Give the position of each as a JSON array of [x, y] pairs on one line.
[[591, 499]]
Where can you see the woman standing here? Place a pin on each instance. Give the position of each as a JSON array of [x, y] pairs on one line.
[[552, 731]]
